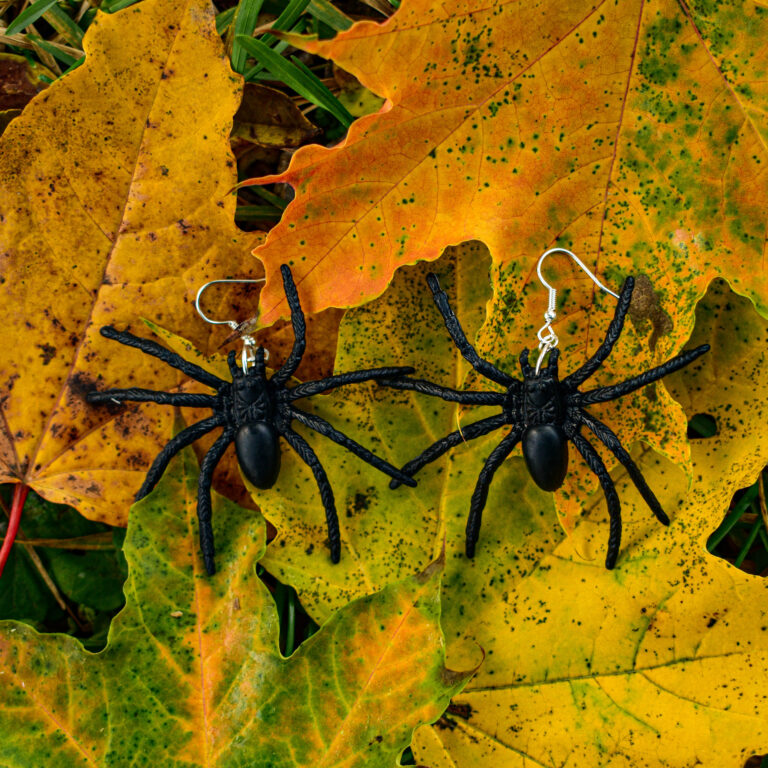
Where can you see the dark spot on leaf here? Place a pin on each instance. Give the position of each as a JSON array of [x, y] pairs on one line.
[[361, 502], [646, 308], [47, 351], [81, 384], [464, 711], [443, 723]]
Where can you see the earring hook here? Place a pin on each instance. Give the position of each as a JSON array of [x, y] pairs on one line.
[[547, 338], [248, 355]]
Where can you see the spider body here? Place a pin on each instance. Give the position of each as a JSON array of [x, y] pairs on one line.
[[257, 440], [544, 414], [254, 411], [544, 444]]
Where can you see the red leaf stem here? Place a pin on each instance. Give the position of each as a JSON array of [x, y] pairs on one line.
[[19, 497]]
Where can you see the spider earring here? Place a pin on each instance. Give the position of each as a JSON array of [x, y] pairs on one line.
[[254, 412], [543, 412]]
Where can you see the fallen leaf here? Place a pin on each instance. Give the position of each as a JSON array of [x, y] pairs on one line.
[[192, 673], [651, 664], [116, 205], [269, 118], [20, 80], [634, 131]]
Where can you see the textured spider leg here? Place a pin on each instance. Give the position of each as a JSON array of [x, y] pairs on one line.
[[136, 395], [204, 510], [182, 440], [527, 369], [309, 457], [580, 375], [439, 447], [469, 353], [467, 397], [309, 388], [595, 463], [480, 495], [603, 394], [234, 369], [611, 442], [149, 347], [299, 330], [325, 429]]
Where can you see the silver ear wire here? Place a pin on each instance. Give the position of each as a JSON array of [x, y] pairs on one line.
[[547, 338], [248, 356]]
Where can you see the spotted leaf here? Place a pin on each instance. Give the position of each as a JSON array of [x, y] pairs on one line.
[[192, 674], [651, 664]]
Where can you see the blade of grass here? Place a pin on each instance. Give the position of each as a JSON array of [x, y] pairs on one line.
[[284, 22], [298, 77], [290, 622], [65, 26], [270, 197], [302, 25], [55, 50], [246, 16], [286, 19], [323, 11], [382, 6], [74, 66], [732, 518], [29, 16], [116, 5], [762, 483], [756, 526], [98, 541], [257, 213], [224, 19]]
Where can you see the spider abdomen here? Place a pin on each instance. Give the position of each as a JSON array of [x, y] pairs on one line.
[[545, 449], [257, 444]]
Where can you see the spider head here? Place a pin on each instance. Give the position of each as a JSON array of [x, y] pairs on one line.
[[541, 389], [542, 400], [248, 387]]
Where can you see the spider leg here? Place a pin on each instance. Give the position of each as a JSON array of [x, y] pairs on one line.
[[325, 429], [149, 347], [299, 329], [439, 447], [469, 353], [204, 510], [467, 397], [611, 442], [595, 463], [602, 394], [309, 457], [182, 440], [234, 370], [580, 375], [136, 395], [309, 388], [480, 495]]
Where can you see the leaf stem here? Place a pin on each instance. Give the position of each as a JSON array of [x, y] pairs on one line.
[[19, 497]]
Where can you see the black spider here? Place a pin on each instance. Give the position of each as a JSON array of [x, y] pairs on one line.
[[545, 413], [254, 411]]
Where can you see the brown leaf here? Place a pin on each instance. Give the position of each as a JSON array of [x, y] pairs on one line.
[[270, 118], [20, 80]]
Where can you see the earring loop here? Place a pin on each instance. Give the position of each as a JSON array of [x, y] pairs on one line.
[[547, 337], [248, 356]]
